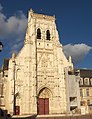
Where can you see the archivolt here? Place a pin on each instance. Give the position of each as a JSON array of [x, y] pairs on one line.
[[45, 93]]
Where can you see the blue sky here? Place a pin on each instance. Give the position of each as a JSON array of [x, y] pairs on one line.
[[73, 19]]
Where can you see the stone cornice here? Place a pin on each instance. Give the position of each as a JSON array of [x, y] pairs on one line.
[[41, 16]]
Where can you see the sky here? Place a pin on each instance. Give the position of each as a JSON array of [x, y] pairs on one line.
[[73, 20]]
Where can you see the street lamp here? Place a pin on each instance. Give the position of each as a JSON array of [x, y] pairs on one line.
[[1, 46]]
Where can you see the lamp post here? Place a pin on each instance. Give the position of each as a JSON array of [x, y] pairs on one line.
[[1, 46]]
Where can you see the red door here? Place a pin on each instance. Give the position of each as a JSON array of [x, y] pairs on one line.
[[43, 106], [46, 104], [17, 110]]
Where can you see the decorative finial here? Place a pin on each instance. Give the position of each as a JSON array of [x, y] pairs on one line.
[[13, 56], [31, 10], [70, 59], [54, 15]]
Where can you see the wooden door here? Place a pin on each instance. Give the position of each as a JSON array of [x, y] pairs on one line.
[[17, 110], [46, 106], [43, 106]]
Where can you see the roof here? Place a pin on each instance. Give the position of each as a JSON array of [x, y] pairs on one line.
[[86, 73]]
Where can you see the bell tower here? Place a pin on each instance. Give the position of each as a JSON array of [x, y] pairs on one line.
[[49, 62]]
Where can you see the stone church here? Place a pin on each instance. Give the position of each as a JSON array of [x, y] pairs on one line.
[[36, 81]]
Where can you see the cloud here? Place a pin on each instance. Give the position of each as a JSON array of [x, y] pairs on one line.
[[12, 29], [77, 51]]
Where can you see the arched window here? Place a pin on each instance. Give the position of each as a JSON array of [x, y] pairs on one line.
[[47, 35], [38, 33], [86, 81], [81, 81]]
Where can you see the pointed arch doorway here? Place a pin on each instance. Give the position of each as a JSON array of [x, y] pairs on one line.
[[43, 101]]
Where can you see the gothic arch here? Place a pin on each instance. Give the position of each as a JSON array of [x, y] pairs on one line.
[[38, 33], [48, 35], [45, 93], [44, 101]]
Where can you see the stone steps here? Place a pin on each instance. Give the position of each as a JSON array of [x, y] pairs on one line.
[[54, 117]]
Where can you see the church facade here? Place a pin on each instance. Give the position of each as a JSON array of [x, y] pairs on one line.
[[36, 75]]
